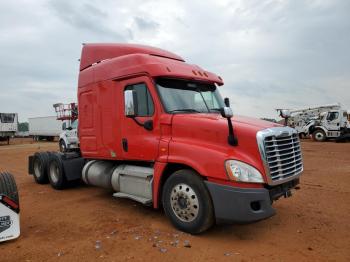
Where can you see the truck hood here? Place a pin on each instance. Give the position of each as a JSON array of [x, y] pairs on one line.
[[206, 124], [210, 132]]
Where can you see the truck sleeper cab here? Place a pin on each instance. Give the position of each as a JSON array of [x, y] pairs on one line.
[[155, 129]]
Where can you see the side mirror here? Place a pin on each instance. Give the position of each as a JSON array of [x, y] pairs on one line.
[[227, 101], [285, 113], [226, 112], [64, 126], [130, 103]]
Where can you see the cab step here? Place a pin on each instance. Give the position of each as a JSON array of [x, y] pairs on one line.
[[142, 200]]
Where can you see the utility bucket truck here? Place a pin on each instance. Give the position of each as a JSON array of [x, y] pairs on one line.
[[321, 122], [68, 138], [155, 129]]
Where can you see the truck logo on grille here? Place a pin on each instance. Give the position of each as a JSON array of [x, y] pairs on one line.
[[285, 133], [5, 223]]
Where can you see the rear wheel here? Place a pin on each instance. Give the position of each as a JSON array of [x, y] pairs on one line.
[[8, 186], [56, 174], [40, 162], [319, 135], [187, 202]]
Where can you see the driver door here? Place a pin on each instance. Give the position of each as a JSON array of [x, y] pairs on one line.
[[137, 142], [333, 120], [72, 133]]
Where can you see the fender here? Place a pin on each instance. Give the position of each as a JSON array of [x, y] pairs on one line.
[[209, 162]]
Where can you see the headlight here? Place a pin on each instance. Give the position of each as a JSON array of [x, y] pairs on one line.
[[243, 172]]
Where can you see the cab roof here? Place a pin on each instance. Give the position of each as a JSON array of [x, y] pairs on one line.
[[112, 61], [95, 53]]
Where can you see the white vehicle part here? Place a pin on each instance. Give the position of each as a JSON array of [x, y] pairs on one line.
[[47, 126], [9, 222], [70, 143], [128, 181]]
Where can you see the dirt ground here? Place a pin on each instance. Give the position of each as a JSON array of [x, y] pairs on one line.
[[87, 223]]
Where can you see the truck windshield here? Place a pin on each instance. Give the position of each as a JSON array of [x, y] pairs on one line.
[[7, 118], [74, 124], [179, 96]]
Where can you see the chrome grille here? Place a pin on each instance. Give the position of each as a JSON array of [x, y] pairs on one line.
[[281, 153]]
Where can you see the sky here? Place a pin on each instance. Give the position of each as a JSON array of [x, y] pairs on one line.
[[271, 54]]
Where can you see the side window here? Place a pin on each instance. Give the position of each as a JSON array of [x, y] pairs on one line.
[[75, 124], [144, 99], [332, 116], [7, 118]]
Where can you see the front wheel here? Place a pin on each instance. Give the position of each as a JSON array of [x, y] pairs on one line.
[[187, 202], [62, 146], [319, 135]]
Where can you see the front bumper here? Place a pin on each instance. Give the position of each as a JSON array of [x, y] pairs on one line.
[[244, 205]]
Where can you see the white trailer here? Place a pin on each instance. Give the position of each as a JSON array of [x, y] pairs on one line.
[[8, 126], [45, 128]]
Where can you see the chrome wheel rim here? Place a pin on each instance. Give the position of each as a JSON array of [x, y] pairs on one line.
[[319, 136], [63, 148], [184, 202], [54, 172], [37, 168]]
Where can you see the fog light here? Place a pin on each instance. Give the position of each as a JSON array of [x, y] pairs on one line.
[[255, 205]]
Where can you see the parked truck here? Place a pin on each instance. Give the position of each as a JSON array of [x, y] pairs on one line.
[[68, 140], [44, 128], [155, 129], [321, 122], [8, 126], [68, 114]]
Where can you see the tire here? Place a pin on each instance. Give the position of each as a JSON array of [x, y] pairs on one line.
[[8, 186], [184, 192], [302, 135], [56, 174], [62, 146], [40, 162], [319, 135]]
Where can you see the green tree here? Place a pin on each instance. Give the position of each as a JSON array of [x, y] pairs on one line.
[[23, 127]]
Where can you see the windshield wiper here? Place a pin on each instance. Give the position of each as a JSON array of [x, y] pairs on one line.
[[185, 110]]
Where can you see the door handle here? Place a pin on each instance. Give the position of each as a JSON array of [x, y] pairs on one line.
[[125, 144]]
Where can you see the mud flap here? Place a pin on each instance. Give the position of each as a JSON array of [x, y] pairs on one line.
[[9, 219]]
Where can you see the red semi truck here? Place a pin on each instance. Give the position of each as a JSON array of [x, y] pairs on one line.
[[155, 129]]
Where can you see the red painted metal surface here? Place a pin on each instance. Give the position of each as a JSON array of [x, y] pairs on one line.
[[195, 140], [95, 53]]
